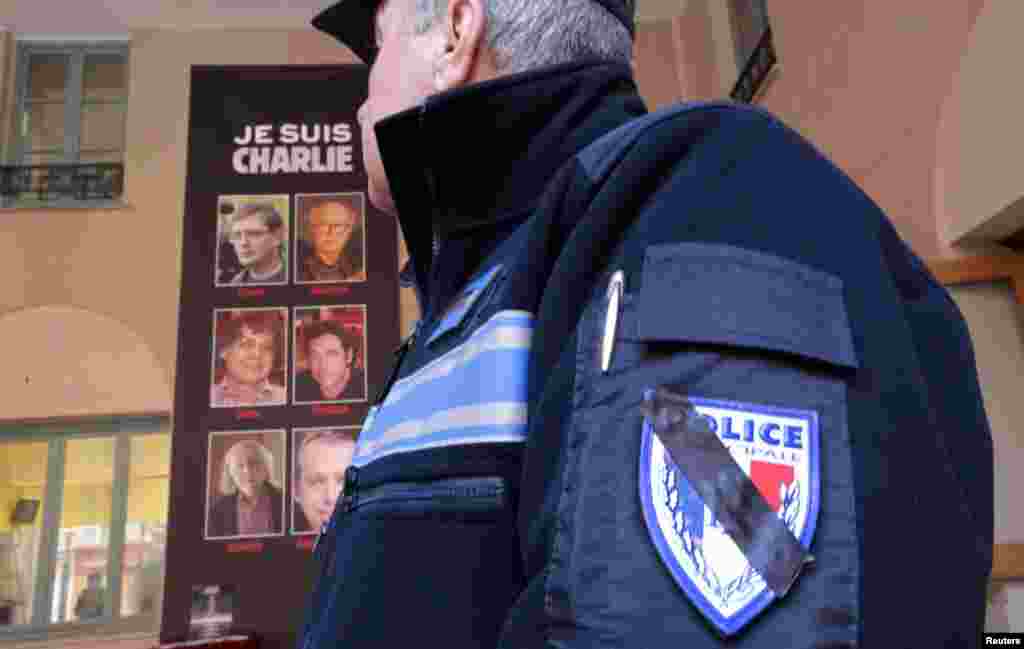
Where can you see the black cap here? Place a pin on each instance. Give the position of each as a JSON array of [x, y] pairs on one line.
[[351, 22]]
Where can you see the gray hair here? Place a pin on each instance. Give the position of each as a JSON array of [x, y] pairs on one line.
[[227, 483], [326, 435], [528, 34]]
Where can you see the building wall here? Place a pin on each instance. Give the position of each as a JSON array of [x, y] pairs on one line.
[[121, 265], [656, 64], [865, 81], [686, 58], [882, 109], [984, 180], [73, 362]]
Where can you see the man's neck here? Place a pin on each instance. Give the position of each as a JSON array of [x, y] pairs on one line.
[[267, 269], [330, 393], [244, 389]]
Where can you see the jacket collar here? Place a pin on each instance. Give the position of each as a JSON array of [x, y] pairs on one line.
[[473, 161]]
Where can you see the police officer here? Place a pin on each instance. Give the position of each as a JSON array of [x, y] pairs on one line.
[[677, 381]]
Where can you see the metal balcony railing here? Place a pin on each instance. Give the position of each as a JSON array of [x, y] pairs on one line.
[[754, 72], [61, 182]]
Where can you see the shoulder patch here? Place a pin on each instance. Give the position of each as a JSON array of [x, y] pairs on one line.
[[778, 448]]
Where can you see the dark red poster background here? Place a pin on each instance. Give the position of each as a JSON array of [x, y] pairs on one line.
[[272, 574]]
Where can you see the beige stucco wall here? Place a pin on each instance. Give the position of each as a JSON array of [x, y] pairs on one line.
[[986, 178], [65, 362], [865, 81], [688, 57], [719, 36], [871, 84], [656, 64]]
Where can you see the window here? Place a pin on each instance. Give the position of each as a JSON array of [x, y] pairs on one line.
[[70, 123], [755, 52], [83, 521]]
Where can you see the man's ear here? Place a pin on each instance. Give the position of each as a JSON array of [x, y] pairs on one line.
[[464, 58], [350, 355]]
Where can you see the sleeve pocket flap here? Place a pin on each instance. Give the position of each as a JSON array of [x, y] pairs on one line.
[[720, 294]]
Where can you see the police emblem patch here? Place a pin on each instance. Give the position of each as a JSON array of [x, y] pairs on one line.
[[778, 449]]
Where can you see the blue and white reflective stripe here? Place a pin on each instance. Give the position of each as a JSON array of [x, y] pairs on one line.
[[473, 394], [489, 422], [508, 337]]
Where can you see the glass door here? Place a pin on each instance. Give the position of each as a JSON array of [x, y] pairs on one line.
[[146, 525], [81, 587]]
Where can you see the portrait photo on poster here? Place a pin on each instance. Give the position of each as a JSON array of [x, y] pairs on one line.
[[245, 484], [319, 459], [250, 357], [330, 354], [252, 240], [330, 241], [213, 611]]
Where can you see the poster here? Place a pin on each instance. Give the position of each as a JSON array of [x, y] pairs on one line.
[[287, 320]]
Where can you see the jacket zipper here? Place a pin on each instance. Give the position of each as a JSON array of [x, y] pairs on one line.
[[460, 492]]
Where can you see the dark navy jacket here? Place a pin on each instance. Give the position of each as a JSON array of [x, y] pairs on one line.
[[759, 280]]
